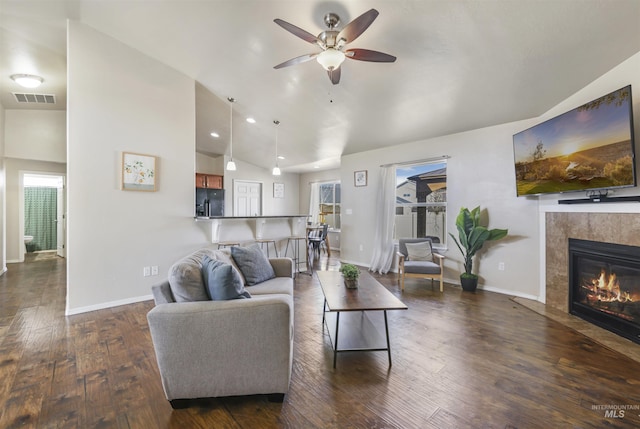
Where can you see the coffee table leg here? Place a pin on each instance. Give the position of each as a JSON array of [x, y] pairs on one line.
[[335, 348], [386, 328], [324, 310]]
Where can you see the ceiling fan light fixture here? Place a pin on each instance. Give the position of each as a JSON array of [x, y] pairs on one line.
[[330, 59], [27, 80]]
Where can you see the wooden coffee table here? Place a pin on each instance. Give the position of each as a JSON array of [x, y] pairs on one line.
[[357, 328]]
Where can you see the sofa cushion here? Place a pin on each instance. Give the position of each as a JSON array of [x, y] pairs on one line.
[[253, 264], [421, 267], [420, 251], [278, 285], [221, 280]]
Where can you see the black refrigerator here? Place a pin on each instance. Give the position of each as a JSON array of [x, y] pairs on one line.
[[209, 202]]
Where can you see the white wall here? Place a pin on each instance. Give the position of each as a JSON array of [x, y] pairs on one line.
[[270, 206], [479, 172], [3, 202], [121, 100], [35, 141], [36, 134], [305, 186], [209, 164]]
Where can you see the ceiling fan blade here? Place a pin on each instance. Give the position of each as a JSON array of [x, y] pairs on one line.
[[296, 60], [356, 27], [368, 55], [334, 75], [297, 31]]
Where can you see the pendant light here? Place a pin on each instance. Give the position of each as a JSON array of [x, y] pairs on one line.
[[231, 166], [276, 169]]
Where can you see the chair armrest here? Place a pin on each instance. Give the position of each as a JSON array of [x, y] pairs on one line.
[[201, 344], [283, 267], [439, 259]]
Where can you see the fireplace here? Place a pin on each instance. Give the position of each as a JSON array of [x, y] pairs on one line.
[[604, 285]]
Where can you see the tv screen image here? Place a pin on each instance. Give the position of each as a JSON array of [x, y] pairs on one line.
[[588, 148]]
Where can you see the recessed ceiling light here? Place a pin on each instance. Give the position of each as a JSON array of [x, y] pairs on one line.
[[251, 120], [280, 157], [215, 135], [27, 80]]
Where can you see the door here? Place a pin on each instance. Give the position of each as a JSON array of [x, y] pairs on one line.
[[247, 198]]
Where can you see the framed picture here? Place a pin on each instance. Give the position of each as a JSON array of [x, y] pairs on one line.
[[360, 178], [278, 190], [138, 172]]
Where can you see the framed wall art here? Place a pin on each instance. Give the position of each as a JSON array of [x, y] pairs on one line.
[[278, 190], [138, 172], [360, 178]]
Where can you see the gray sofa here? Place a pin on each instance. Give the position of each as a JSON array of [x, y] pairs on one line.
[[225, 348]]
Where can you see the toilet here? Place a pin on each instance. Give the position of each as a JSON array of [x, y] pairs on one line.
[[27, 239]]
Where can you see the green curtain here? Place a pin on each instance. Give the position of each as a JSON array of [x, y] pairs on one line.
[[40, 212]]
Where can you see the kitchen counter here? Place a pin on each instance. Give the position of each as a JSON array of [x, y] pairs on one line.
[[244, 229], [249, 217]]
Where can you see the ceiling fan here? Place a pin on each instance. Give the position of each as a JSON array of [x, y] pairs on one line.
[[332, 43]]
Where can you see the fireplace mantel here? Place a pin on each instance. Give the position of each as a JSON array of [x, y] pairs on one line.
[[630, 207]]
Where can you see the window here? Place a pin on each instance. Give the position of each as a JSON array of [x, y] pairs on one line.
[[421, 201], [329, 210]]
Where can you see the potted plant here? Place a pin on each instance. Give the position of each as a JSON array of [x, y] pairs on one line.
[[350, 273], [472, 237]]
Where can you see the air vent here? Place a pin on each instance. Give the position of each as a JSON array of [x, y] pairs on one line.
[[35, 98]]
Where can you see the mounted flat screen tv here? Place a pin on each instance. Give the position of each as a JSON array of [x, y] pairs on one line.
[[588, 148]]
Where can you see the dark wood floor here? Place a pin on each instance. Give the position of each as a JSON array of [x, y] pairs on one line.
[[459, 361]]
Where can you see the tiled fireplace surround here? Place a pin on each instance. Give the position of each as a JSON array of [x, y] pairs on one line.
[[619, 223]]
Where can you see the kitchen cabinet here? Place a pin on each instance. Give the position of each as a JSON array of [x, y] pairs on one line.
[[208, 181]]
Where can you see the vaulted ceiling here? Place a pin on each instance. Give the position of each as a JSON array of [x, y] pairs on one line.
[[461, 65]]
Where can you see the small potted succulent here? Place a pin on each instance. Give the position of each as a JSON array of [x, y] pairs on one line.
[[350, 273]]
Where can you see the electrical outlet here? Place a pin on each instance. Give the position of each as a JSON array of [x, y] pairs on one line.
[[154, 270], [501, 266], [146, 271]]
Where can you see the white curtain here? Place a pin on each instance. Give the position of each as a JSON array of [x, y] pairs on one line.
[[383, 244], [314, 204]]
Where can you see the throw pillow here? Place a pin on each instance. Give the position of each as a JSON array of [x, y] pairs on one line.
[[221, 280], [185, 280], [253, 264], [420, 251]]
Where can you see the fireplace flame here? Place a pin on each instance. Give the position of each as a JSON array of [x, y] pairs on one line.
[[606, 288]]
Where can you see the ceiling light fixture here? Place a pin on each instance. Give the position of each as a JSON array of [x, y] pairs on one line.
[[330, 58], [231, 166], [27, 80], [251, 120], [215, 135], [276, 169]]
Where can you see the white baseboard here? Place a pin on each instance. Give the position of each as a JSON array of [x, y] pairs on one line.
[[103, 305]]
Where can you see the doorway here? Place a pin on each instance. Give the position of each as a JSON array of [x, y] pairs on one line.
[[247, 198], [42, 217]]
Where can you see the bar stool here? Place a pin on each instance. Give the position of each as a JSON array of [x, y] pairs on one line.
[[223, 244], [295, 249], [267, 241]]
